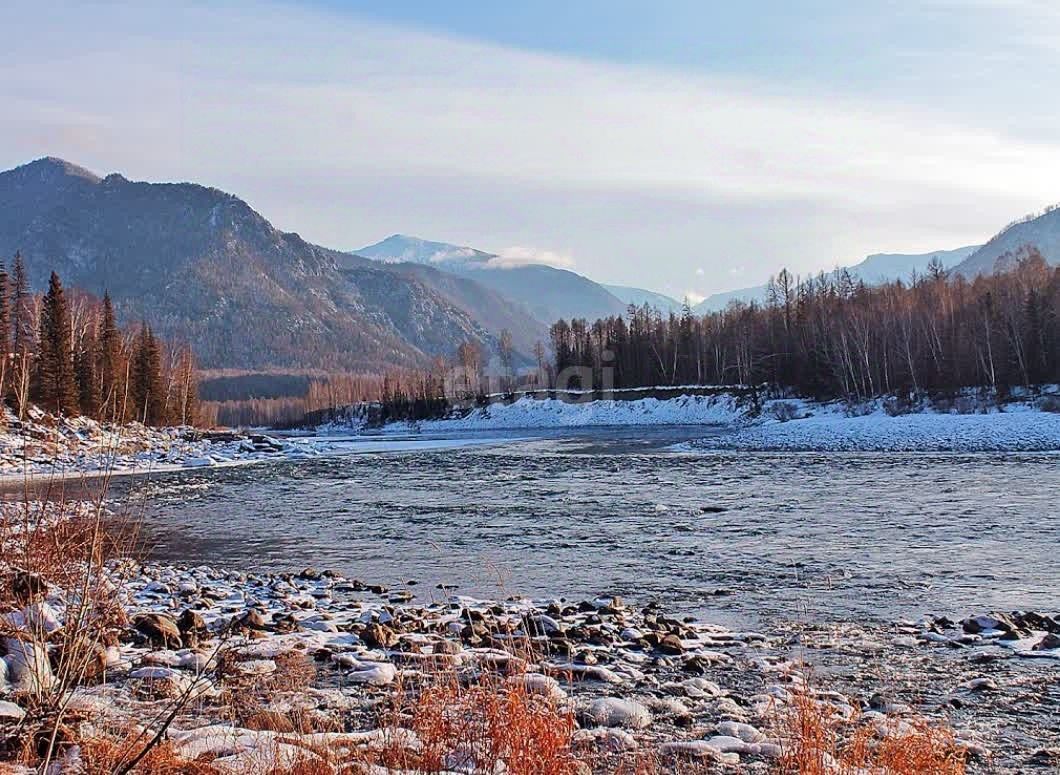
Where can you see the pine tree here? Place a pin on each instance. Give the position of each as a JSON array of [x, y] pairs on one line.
[[58, 389], [22, 336], [85, 372], [5, 332], [147, 389], [109, 368]]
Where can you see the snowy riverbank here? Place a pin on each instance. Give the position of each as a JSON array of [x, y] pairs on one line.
[[778, 424], [305, 661], [42, 446]]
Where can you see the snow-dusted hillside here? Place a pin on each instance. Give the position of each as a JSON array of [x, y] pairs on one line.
[[548, 292], [401, 248], [1041, 232]]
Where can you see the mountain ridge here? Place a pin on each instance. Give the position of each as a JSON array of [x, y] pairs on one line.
[[203, 266]]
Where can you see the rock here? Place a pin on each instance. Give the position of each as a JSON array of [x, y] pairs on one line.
[[161, 630], [1049, 642], [167, 683], [251, 619], [605, 739], [9, 711], [697, 749], [980, 685], [27, 587], [671, 644], [191, 621], [617, 712], [541, 685], [745, 732], [379, 636], [28, 667]]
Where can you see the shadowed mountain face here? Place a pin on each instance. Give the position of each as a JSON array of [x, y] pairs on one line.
[[546, 292], [200, 265]]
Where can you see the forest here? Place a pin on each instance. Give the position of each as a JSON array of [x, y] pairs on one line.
[[833, 336], [64, 351]]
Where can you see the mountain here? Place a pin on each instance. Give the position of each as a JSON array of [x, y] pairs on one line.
[[638, 297], [200, 265], [547, 292], [399, 248], [875, 269], [1040, 231]]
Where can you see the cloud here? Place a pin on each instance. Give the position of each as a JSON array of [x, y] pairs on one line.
[[521, 256], [693, 298], [346, 130]]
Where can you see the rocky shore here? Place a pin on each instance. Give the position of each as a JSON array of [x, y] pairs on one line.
[[43, 445], [306, 665]]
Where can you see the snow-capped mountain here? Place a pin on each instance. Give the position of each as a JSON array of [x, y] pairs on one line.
[[875, 269], [547, 292], [401, 248], [1041, 231]]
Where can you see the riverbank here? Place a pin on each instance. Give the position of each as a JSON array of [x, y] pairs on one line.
[[43, 446], [330, 672], [967, 423]]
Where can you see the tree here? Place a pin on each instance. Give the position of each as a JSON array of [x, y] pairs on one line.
[[147, 389], [110, 370], [85, 353], [22, 336], [58, 388], [507, 354]]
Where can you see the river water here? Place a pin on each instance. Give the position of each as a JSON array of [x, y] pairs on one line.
[[740, 537]]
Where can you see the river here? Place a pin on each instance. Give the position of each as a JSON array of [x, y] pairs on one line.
[[739, 537]]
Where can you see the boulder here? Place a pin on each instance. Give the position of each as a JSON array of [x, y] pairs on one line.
[[27, 665], [161, 630], [617, 712]]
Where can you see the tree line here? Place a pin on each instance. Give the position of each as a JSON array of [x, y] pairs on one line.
[[64, 352], [834, 336]]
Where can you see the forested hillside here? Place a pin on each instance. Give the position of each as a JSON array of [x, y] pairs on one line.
[[834, 336], [201, 266]]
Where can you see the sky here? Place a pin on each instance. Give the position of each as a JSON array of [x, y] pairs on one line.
[[687, 147]]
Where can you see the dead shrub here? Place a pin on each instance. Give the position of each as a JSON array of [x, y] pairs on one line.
[[814, 743]]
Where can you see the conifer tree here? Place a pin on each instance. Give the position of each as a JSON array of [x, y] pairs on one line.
[[109, 368], [58, 389], [5, 332], [22, 336], [147, 390], [85, 373]]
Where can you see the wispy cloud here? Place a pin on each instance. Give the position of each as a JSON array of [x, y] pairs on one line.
[[346, 130], [521, 256]]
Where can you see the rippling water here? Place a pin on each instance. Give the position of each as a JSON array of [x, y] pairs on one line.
[[738, 536]]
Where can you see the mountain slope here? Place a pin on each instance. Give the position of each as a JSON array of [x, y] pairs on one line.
[[1041, 232], [638, 297], [202, 266], [874, 269], [547, 292], [493, 310]]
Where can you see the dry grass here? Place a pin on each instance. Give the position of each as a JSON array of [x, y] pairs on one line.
[[815, 744], [493, 725], [105, 755]]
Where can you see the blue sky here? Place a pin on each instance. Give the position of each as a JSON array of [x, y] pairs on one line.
[[687, 147]]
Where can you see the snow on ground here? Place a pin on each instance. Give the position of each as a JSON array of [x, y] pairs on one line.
[[42, 445], [553, 413], [1017, 427], [807, 426]]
